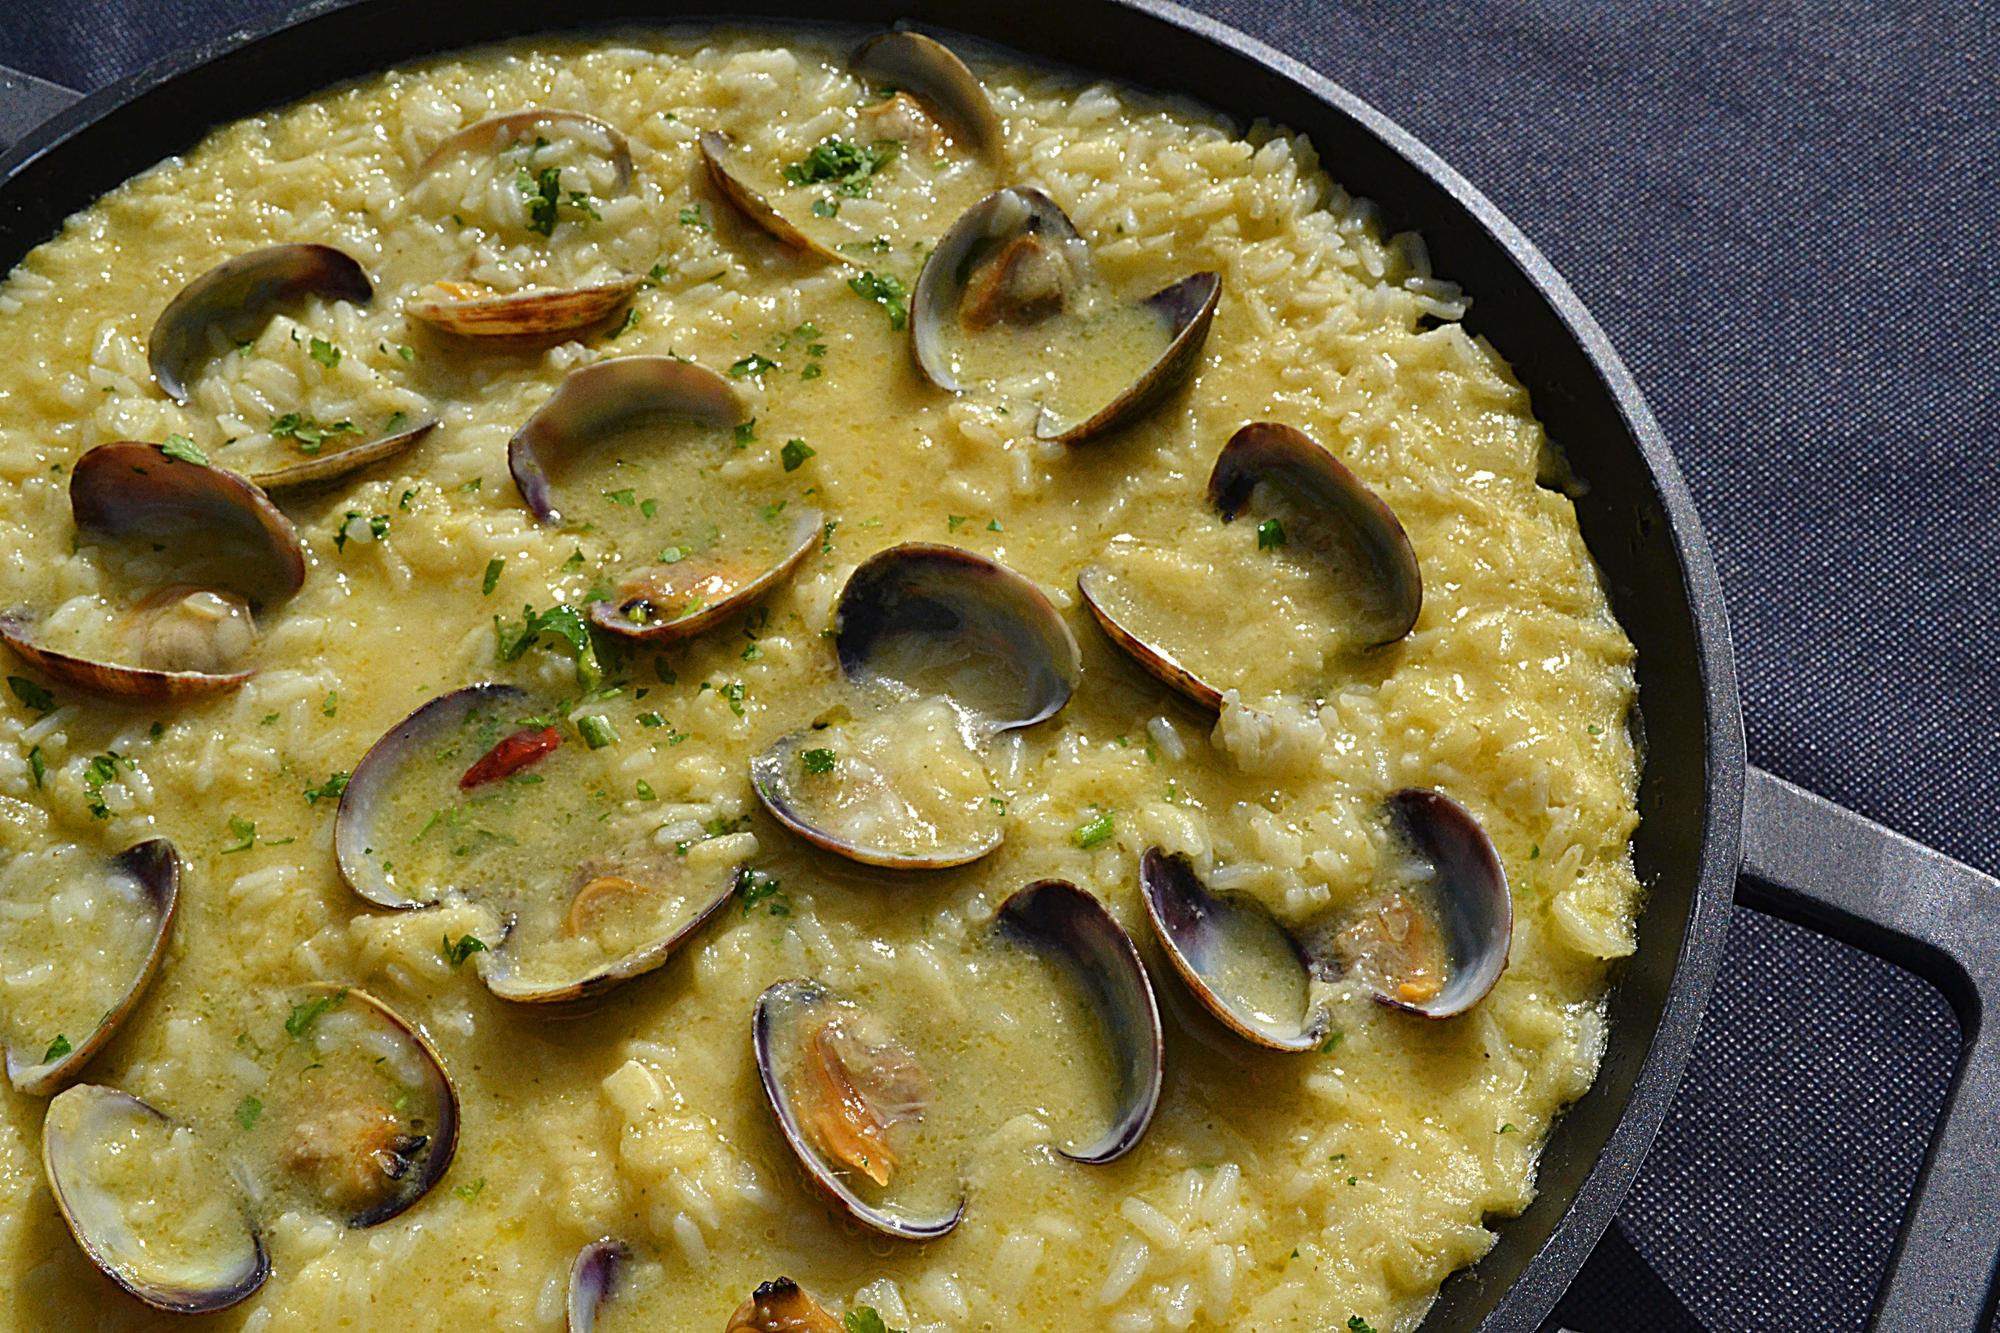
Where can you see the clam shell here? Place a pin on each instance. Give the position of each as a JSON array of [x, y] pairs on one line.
[[1478, 908], [593, 1281], [250, 282], [775, 1007], [132, 490], [495, 133], [372, 785], [532, 314], [615, 617], [928, 70], [157, 868], [338, 463], [110, 678], [1267, 451], [1158, 661], [74, 1121], [1072, 928], [716, 150], [921, 599]]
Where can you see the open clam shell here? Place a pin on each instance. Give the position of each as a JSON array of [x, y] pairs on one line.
[[1093, 584], [660, 601], [1013, 273], [241, 287], [602, 399], [1269, 453], [928, 70], [365, 862], [496, 133], [593, 1281], [611, 928], [225, 532], [358, 1111], [17, 629], [149, 873], [1072, 929], [899, 788], [540, 313], [803, 1030], [147, 1204], [942, 620], [717, 153], [337, 463], [1267, 983]]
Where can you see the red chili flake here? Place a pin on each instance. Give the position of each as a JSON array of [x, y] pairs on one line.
[[527, 746]]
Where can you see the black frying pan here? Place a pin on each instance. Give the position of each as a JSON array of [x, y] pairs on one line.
[[1706, 815]]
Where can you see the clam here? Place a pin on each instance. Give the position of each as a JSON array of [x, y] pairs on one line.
[[620, 917], [593, 1280], [232, 552], [1433, 945], [782, 1306], [935, 103], [1267, 453], [682, 590], [472, 312], [145, 881], [224, 532], [850, 1099], [958, 649], [942, 620], [358, 1116], [1011, 295], [148, 1204], [337, 463], [1072, 929], [242, 288], [364, 845], [1345, 527], [497, 133]]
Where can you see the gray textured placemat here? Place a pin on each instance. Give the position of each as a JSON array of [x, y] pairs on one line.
[[1782, 216]]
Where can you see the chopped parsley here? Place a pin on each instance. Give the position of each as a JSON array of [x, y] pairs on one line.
[[308, 431], [31, 694], [866, 1319], [746, 432], [1270, 533], [748, 367], [631, 322], [560, 629], [472, 1191], [1094, 831], [38, 767], [651, 720], [324, 352], [826, 536], [690, 217], [331, 704], [846, 166], [329, 790], [456, 952], [181, 447], [102, 768], [308, 1012], [795, 453], [542, 195], [57, 1049], [826, 208], [672, 555], [1332, 1042], [1356, 1324], [492, 579], [817, 761], [1508, 1128], [244, 831], [248, 1111], [733, 693], [645, 790], [378, 528], [952, 521], [627, 496], [887, 291], [755, 887], [596, 730], [993, 525]]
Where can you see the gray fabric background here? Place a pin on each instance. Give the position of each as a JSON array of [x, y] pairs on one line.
[[1783, 213]]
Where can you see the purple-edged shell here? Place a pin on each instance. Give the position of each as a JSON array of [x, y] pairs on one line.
[[79, 1123], [1015, 259], [1072, 929], [334, 464], [789, 1015], [224, 532], [540, 313], [372, 787], [241, 287], [154, 868], [497, 133], [593, 1281], [110, 678], [1267, 982]]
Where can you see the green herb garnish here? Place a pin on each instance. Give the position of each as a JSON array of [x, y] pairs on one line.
[[456, 952], [492, 579], [247, 1112], [57, 1049], [886, 290], [817, 761], [1094, 831], [324, 352], [795, 453], [329, 790], [308, 1012], [596, 730], [31, 694], [1270, 533], [181, 447]]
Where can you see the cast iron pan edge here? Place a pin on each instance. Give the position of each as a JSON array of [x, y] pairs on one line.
[[1634, 508]]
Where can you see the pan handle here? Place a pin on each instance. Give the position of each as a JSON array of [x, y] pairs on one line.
[[1834, 871], [25, 102]]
